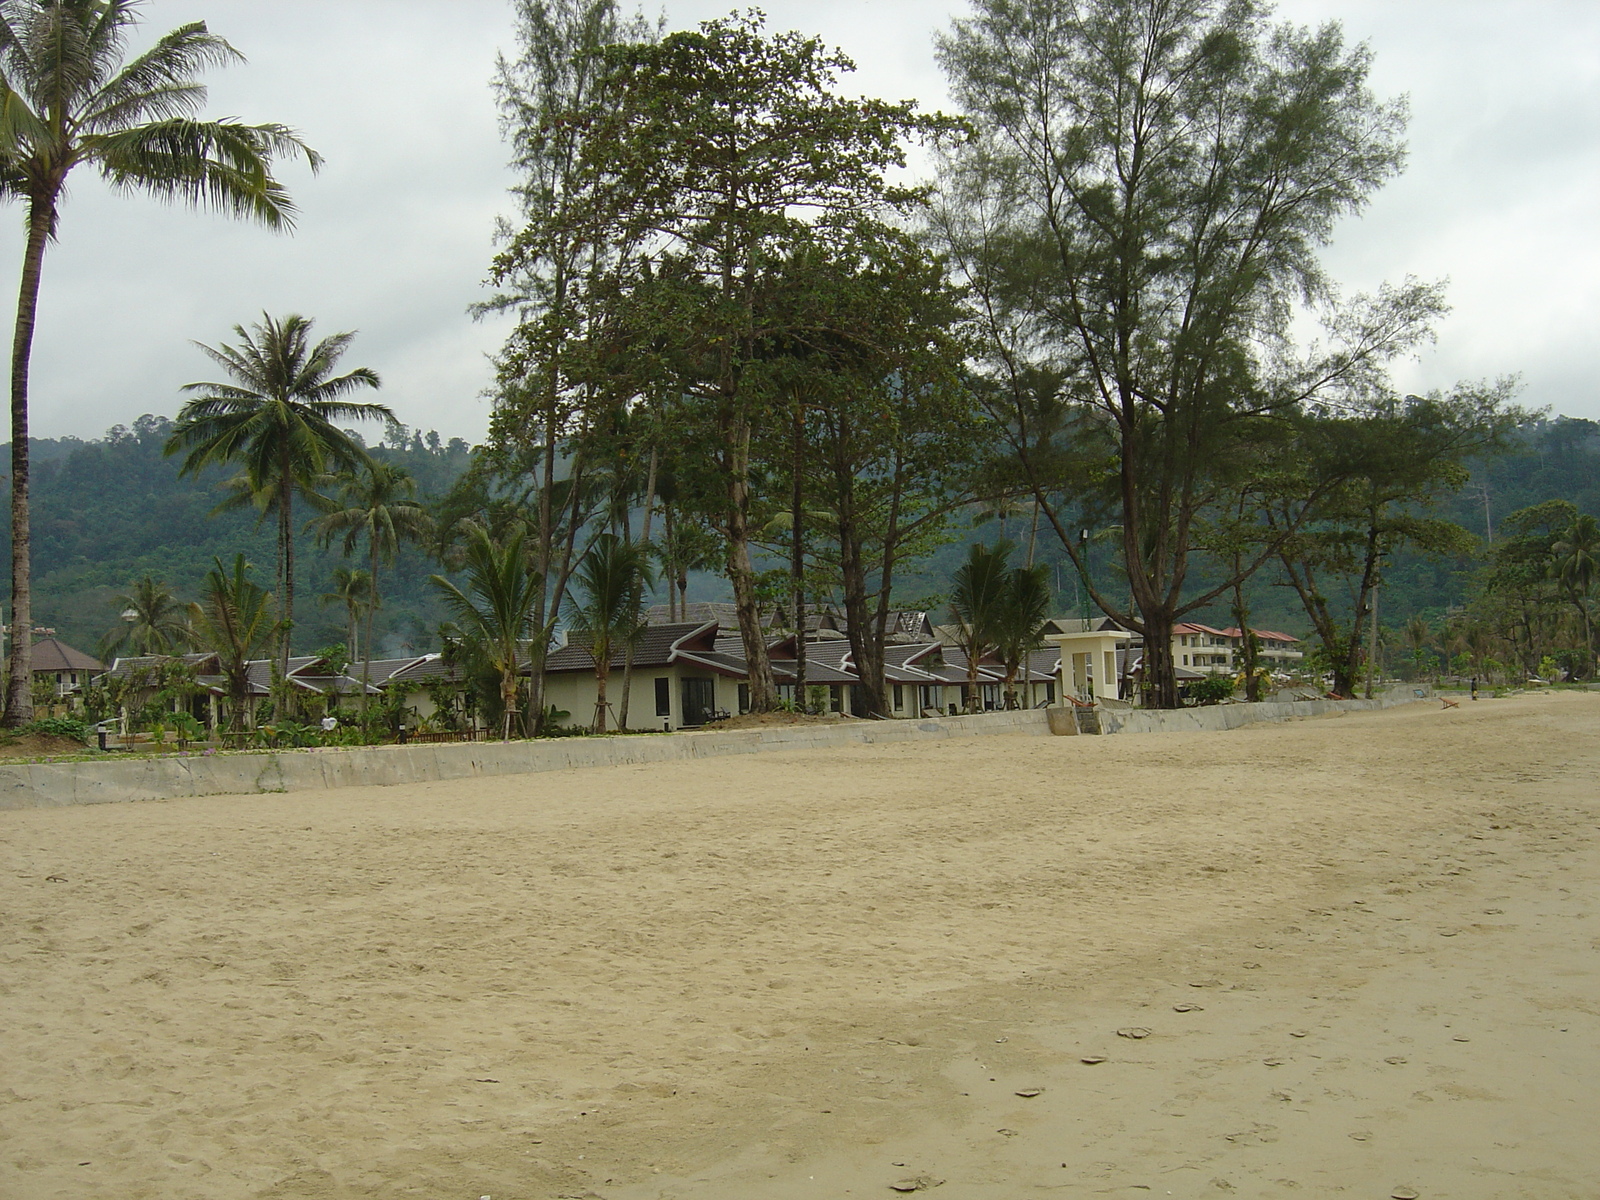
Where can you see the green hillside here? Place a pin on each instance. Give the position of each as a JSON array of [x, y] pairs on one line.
[[108, 510]]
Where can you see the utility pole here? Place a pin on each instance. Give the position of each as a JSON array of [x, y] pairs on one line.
[[1488, 518]]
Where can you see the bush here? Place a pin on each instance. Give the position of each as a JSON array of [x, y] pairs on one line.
[[1211, 690], [67, 727]]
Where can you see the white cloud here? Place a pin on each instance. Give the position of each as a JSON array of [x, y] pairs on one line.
[[395, 234]]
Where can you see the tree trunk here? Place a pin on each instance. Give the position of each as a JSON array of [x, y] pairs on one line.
[[372, 610], [286, 548], [741, 572], [1160, 671], [602, 672], [1248, 645], [797, 556], [19, 683], [644, 540]]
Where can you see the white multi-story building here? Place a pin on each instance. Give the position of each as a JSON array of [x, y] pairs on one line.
[[1221, 651]]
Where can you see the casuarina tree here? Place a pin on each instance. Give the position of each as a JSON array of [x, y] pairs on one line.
[[1139, 217], [71, 96]]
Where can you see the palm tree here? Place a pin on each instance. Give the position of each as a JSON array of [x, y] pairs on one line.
[[614, 576], [1576, 565], [353, 589], [276, 419], [977, 603], [234, 619], [499, 612], [68, 97], [377, 505], [153, 622], [1024, 610], [1419, 636]]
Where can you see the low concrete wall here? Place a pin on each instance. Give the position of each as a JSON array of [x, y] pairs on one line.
[[47, 785], [1231, 716]]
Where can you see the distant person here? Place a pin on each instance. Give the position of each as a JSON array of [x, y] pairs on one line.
[[1474, 687]]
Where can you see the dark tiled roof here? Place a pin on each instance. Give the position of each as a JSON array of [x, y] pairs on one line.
[[656, 647], [123, 667], [52, 654], [381, 670], [421, 670]]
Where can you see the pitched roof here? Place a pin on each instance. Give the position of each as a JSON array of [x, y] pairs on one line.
[[52, 654], [659, 646], [381, 670]]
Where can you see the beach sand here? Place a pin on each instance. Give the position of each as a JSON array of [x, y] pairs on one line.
[[818, 974]]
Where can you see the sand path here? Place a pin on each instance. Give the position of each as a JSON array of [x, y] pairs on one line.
[[818, 973]]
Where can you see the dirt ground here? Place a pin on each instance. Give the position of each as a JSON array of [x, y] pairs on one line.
[[1352, 956], [38, 745]]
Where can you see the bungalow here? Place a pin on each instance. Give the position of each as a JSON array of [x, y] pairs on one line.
[[67, 668], [684, 675]]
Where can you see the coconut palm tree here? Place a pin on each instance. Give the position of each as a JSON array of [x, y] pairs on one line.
[[1024, 611], [353, 589], [152, 622], [69, 97], [1575, 563], [614, 576], [376, 504], [235, 620], [277, 420], [977, 602], [499, 613]]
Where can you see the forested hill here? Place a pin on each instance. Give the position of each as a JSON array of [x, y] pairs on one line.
[[109, 510]]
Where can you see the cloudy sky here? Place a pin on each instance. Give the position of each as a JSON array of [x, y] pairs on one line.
[[1501, 196]]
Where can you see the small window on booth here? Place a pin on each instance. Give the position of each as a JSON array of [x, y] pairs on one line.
[[744, 697], [899, 697], [663, 696]]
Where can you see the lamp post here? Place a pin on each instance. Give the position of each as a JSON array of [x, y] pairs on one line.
[[1083, 573]]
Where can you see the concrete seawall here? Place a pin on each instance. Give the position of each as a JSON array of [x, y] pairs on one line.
[[1231, 716], [51, 785]]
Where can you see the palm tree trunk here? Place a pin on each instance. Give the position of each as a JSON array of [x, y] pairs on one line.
[[372, 608], [19, 684], [602, 671]]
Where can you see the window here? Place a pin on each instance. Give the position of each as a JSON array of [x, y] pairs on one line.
[[899, 697], [1050, 691], [744, 697], [663, 696]]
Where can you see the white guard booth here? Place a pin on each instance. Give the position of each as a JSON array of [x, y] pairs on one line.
[[1089, 662]]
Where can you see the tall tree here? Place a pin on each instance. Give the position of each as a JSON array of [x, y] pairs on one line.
[[376, 504], [542, 275], [497, 610], [714, 153], [1575, 564], [70, 96], [1140, 214], [872, 360], [612, 579], [235, 620], [276, 419], [1397, 462], [150, 621]]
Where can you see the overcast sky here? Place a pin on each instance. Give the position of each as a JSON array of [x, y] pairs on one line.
[[1501, 197]]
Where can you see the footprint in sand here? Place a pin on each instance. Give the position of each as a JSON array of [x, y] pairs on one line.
[[1135, 1032]]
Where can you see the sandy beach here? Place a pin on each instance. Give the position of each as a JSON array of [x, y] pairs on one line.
[[1349, 956]]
